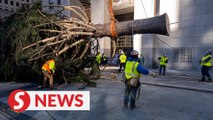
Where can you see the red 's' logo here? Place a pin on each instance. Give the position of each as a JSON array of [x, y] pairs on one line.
[[19, 100]]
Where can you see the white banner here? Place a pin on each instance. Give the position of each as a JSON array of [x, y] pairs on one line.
[[21, 100]]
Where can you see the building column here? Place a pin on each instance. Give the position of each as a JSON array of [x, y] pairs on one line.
[[100, 15], [137, 39], [154, 50], [144, 43]]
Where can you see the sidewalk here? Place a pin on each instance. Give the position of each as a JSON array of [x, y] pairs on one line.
[[180, 79]]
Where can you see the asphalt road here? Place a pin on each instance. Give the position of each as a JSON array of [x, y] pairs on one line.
[[155, 103]]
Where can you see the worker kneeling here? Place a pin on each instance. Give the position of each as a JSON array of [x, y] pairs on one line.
[[133, 71], [48, 70]]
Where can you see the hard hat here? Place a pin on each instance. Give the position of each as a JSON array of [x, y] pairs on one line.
[[134, 53]]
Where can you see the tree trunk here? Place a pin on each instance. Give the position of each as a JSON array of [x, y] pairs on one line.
[[154, 25]]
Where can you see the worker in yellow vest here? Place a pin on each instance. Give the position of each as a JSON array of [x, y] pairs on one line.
[[48, 70], [98, 58], [206, 65], [103, 59], [122, 60], [133, 71], [163, 63]]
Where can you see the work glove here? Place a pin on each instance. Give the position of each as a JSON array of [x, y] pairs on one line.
[[152, 74], [52, 72]]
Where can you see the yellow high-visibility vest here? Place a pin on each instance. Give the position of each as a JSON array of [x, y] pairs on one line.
[[131, 70], [122, 58], [49, 65], [98, 58], [163, 60], [208, 63], [104, 58]]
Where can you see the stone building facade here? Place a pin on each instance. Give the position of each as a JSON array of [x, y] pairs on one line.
[[191, 32]]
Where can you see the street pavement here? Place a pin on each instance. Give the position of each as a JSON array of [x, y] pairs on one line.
[[182, 79], [176, 96]]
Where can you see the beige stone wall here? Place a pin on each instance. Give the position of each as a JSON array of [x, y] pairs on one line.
[[100, 15]]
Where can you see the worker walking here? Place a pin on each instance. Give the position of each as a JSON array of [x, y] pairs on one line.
[[48, 70], [98, 58], [206, 65], [141, 60], [163, 63], [122, 59], [133, 71]]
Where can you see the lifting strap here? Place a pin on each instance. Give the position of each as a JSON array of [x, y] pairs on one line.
[[112, 20]]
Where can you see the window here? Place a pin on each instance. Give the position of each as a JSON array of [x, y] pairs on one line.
[[27, 5], [59, 2], [11, 2], [120, 43], [17, 4], [6, 1], [0, 1], [183, 55], [51, 2], [125, 41], [27, 0]]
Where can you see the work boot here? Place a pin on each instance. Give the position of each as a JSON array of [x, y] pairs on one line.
[[132, 107], [126, 105], [209, 81], [202, 80]]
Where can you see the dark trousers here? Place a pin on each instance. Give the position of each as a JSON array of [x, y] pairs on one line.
[[162, 68], [205, 72], [49, 76], [121, 65], [130, 93]]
